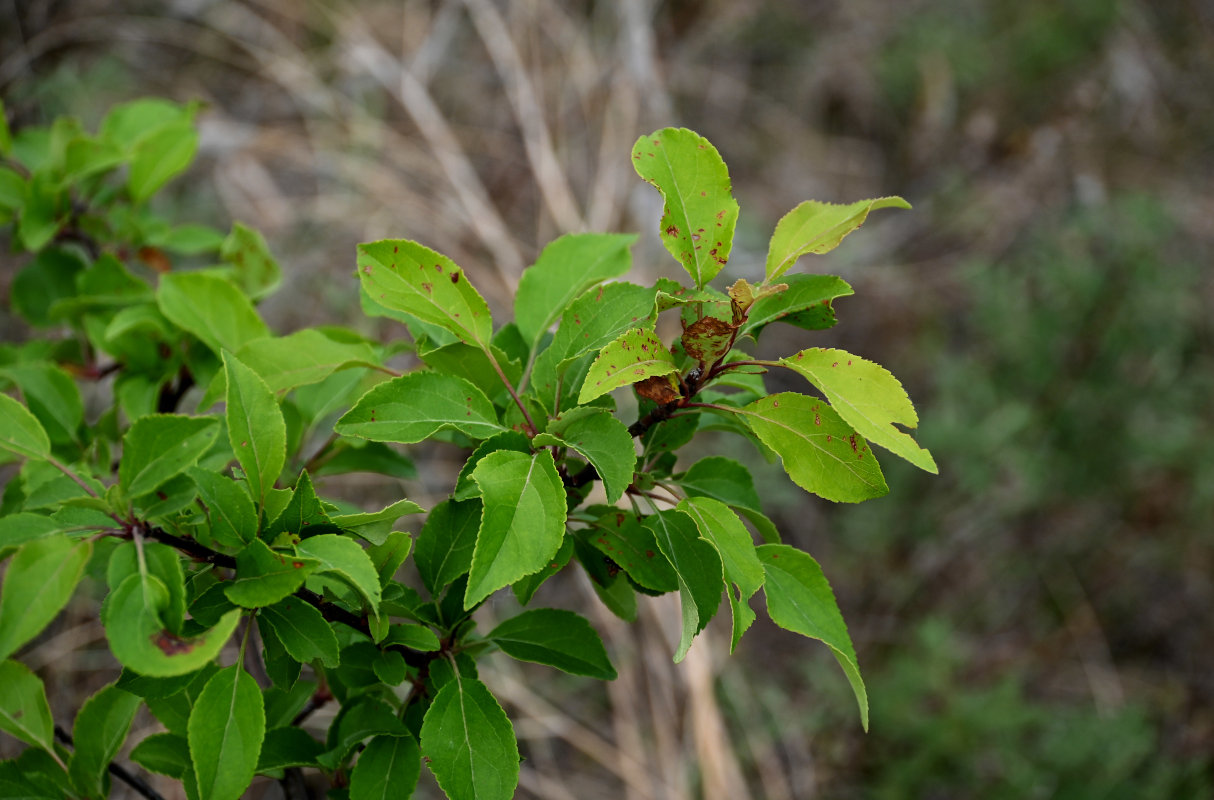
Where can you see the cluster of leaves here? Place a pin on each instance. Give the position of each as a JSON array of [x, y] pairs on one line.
[[191, 497]]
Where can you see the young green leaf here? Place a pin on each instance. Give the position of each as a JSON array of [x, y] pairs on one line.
[[522, 523], [226, 730], [601, 439], [376, 526], [416, 406], [821, 453], [159, 447], [160, 157], [52, 397], [21, 432], [700, 213], [341, 557], [228, 506], [699, 569], [405, 276], [132, 615], [468, 743], [39, 582], [814, 227], [357, 720], [304, 514], [721, 526], [799, 599], [302, 358], [256, 270], [805, 303], [256, 428], [99, 731], [211, 308], [265, 576], [637, 354], [555, 637], [465, 487], [302, 630], [24, 712], [388, 768], [564, 270], [867, 397], [446, 543]]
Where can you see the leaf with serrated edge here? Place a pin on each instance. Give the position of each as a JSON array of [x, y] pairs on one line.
[[405, 276], [799, 599], [256, 428], [24, 712], [814, 227], [211, 308], [98, 733], [20, 431], [265, 576], [40, 580], [342, 556], [226, 729], [867, 397], [557, 638], [228, 505], [376, 526], [446, 543], [719, 524], [806, 303], [388, 768], [302, 358], [634, 356], [414, 407], [566, 268], [700, 214], [522, 523], [302, 630], [469, 744], [821, 452], [158, 447], [602, 439], [698, 565]]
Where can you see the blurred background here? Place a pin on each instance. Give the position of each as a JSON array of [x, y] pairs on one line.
[[1036, 621]]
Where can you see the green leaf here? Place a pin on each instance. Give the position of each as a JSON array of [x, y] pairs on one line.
[[564, 270], [12, 190], [465, 487], [342, 557], [700, 214], [265, 576], [49, 278], [414, 407], [388, 768], [555, 637], [17, 529], [302, 358], [211, 308], [226, 730], [376, 526], [469, 744], [40, 580], [302, 630], [806, 303], [20, 431], [446, 543], [621, 537], [257, 272], [158, 447], [132, 615], [99, 731], [522, 523], [390, 554], [6, 135], [164, 754], [43, 214], [525, 588], [821, 453], [189, 240], [360, 455], [160, 157], [24, 712], [415, 637], [304, 515], [637, 354], [800, 600], [52, 397], [288, 747], [814, 227], [229, 508], [472, 364], [256, 428], [698, 565], [405, 276], [723, 479], [721, 526], [867, 397], [127, 124], [602, 439]]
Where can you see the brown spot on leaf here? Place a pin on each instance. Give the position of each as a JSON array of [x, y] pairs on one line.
[[673, 230], [172, 645], [707, 339]]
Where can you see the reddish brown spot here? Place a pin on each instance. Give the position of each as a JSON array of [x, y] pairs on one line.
[[817, 420], [703, 194], [427, 287], [298, 564], [395, 249], [849, 362], [649, 554], [835, 364], [367, 269], [172, 645], [672, 231], [438, 268], [775, 403], [828, 437], [619, 520], [599, 296]]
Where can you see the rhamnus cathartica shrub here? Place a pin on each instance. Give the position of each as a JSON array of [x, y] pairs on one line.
[[190, 500]]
